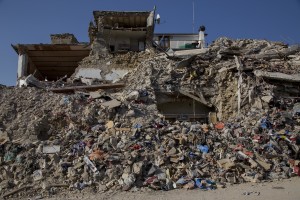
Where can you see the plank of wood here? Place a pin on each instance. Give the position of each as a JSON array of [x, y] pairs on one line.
[[17, 190], [278, 76], [87, 87]]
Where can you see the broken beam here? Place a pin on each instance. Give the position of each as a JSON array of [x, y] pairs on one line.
[[239, 67], [278, 76], [188, 94], [87, 87]]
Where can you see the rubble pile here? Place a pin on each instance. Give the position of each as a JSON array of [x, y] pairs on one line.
[[117, 140], [124, 60], [213, 76]]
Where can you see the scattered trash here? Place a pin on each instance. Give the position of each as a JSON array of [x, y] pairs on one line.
[[90, 164], [129, 137], [51, 149], [111, 104], [251, 193], [203, 148], [37, 175]]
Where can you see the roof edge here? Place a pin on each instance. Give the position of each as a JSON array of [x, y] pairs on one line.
[[176, 34]]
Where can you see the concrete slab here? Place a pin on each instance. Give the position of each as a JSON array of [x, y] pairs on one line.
[[89, 73], [190, 52]]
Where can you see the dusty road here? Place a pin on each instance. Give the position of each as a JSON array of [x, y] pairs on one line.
[[279, 190]]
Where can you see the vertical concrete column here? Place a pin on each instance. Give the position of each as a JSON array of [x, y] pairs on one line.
[[202, 37], [150, 30], [201, 40], [240, 82], [22, 65]]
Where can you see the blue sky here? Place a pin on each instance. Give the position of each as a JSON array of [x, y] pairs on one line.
[[32, 21]]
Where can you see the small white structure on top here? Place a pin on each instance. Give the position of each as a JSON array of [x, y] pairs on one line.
[[202, 37], [181, 41]]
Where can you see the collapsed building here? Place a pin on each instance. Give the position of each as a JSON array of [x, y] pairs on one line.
[[111, 33], [119, 42], [122, 41], [128, 117]]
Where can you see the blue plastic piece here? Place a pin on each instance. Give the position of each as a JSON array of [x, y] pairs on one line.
[[203, 148]]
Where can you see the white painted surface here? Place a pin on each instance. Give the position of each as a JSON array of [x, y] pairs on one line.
[[22, 65], [51, 149], [190, 52], [181, 40], [201, 40], [113, 75], [116, 74], [150, 19], [89, 73]]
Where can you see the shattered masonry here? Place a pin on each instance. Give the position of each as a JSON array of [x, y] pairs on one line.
[[199, 118]]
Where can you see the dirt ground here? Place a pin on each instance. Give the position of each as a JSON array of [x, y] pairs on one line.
[[277, 190]]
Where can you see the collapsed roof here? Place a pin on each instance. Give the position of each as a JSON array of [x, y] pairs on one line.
[[51, 61]]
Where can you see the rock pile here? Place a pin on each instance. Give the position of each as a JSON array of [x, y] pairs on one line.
[[117, 139]]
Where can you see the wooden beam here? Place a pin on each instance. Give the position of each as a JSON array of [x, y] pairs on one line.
[[144, 21], [131, 21], [126, 21], [58, 53], [57, 47], [88, 87], [58, 64], [56, 59], [52, 72], [57, 68], [119, 20]]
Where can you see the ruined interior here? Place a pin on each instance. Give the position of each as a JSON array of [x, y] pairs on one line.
[[51, 61], [123, 31], [176, 106]]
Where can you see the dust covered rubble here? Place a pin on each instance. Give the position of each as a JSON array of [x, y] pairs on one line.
[[117, 140]]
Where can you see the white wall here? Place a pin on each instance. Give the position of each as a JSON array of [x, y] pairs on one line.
[[22, 65], [179, 40]]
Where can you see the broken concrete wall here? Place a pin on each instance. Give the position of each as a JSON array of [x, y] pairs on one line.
[[89, 73], [111, 68], [122, 31], [113, 75], [64, 38], [150, 30]]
